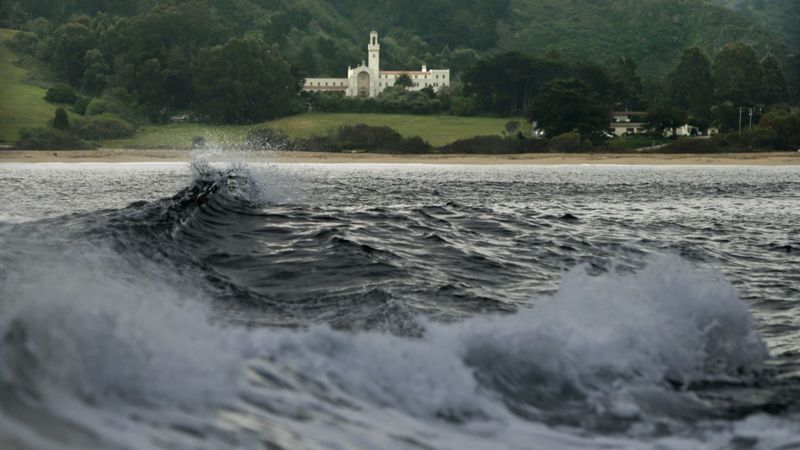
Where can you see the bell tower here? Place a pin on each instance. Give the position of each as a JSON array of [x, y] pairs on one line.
[[374, 50]]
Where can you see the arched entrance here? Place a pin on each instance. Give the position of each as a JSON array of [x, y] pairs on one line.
[[363, 84]]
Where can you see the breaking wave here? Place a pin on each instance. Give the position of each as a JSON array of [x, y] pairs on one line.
[[124, 329]]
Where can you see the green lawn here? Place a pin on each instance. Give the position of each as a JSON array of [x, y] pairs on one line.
[[21, 105], [634, 142], [437, 130]]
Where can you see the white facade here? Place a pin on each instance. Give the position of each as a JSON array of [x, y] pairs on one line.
[[368, 80]]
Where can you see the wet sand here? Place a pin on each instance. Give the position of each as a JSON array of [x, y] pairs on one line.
[[124, 155]]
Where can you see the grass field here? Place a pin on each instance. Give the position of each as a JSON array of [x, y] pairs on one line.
[[437, 130], [21, 105], [635, 142]]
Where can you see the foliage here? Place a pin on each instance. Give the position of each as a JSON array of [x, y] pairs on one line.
[[664, 118], [737, 75], [24, 42], [691, 87], [495, 145], [404, 81], [113, 103], [786, 126], [49, 139], [243, 82], [564, 105], [81, 105], [364, 137], [23, 104], [776, 89], [267, 139], [463, 106], [61, 93], [61, 119], [102, 127], [570, 142], [391, 101]]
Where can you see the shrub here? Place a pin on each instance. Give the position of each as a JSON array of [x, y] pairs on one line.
[[24, 42], [103, 127], [463, 106], [267, 139], [61, 93], [364, 137], [80, 105], [694, 146], [494, 144], [50, 139], [786, 126], [61, 119], [570, 142]]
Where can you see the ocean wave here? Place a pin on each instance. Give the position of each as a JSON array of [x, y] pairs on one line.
[[611, 353]]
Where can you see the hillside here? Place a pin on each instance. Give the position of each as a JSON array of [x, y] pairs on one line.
[[321, 37], [650, 32], [23, 104], [783, 16]]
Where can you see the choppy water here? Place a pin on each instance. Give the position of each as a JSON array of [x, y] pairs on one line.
[[362, 307]]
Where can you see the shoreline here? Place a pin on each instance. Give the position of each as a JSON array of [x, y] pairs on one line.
[[134, 156]]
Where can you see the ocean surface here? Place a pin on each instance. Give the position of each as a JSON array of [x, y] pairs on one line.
[[268, 306]]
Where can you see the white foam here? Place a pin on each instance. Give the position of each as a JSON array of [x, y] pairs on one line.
[[119, 332]]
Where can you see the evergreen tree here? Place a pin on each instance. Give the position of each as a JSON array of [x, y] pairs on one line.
[[97, 71], [690, 83], [737, 75], [243, 82], [61, 119], [776, 89], [564, 105], [628, 84]]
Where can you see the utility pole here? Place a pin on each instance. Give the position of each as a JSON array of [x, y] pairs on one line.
[[740, 120], [751, 118]]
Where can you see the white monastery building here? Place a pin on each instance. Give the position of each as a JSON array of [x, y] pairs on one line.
[[368, 80]]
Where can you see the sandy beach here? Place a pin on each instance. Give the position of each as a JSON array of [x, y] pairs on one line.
[[125, 155]]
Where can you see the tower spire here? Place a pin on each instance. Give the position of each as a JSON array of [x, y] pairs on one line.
[[374, 50]]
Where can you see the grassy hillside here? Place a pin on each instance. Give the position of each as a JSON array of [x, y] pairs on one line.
[[437, 130], [21, 105]]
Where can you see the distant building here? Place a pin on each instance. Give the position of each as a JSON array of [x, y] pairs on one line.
[[628, 122], [367, 80]]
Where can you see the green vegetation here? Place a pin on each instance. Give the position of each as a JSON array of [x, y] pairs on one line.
[[437, 130], [22, 105], [139, 63]]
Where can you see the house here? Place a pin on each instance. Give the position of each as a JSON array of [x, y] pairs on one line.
[[628, 122], [368, 80]]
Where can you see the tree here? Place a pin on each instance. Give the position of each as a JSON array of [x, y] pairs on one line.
[[564, 105], [664, 118], [776, 88], [243, 82], [628, 84], [69, 46], [61, 119], [507, 83], [737, 75], [404, 81], [97, 71], [786, 126], [690, 83]]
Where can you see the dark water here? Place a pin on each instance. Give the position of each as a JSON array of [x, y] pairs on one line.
[[270, 306]]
